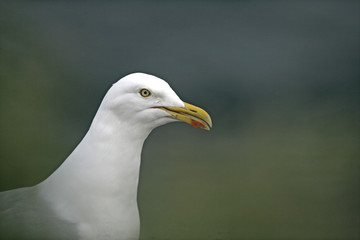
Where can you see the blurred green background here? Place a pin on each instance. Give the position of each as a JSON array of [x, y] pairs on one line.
[[279, 78]]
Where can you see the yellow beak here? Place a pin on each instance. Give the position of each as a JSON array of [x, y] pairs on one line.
[[190, 114]]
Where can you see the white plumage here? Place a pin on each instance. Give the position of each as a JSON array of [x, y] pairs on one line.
[[92, 195]]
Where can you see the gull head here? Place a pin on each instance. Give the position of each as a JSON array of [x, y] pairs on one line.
[[146, 100]]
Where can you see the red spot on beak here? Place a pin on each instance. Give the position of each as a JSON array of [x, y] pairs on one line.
[[197, 124]]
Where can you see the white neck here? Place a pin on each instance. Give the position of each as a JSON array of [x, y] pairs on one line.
[[102, 171]]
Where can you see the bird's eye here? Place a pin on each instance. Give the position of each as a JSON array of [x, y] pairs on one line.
[[145, 92]]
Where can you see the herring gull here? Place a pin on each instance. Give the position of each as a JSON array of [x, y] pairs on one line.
[[92, 195]]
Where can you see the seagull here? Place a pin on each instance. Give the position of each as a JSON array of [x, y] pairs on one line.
[[93, 194]]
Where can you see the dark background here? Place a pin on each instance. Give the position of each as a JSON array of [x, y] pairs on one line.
[[279, 78]]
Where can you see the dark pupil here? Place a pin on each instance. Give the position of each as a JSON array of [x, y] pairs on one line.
[[145, 92]]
